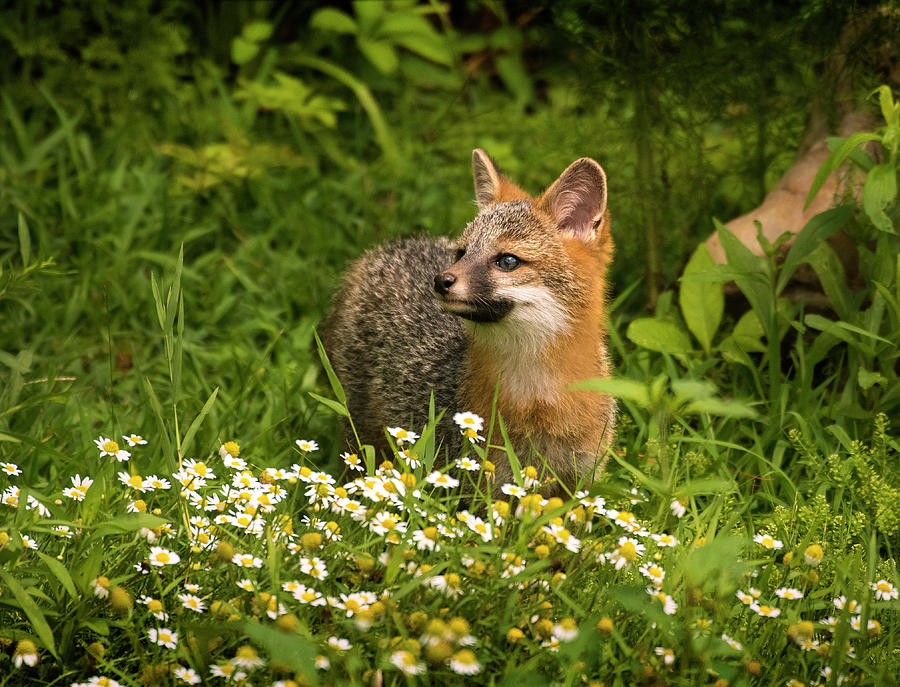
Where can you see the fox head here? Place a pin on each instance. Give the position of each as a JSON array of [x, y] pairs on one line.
[[531, 267]]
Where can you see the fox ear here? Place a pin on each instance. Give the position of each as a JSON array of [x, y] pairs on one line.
[[577, 200], [487, 179]]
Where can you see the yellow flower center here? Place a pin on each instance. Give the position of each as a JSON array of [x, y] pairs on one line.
[[154, 605], [233, 448], [430, 533], [352, 605], [200, 469], [111, 447], [135, 481], [247, 653], [163, 557], [883, 586], [628, 552]]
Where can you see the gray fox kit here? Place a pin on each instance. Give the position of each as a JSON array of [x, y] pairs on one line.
[[516, 304]]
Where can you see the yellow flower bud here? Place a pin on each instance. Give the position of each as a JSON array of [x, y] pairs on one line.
[[514, 635], [605, 625], [120, 600], [225, 551], [287, 623], [543, 628], [813, 555], [311, 541]]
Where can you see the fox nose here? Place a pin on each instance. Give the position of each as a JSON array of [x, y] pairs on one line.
[[443, 282]]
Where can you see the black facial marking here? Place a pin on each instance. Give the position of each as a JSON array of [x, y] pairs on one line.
[[486, 313]]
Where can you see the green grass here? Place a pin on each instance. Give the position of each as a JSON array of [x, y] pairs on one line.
[[174, 292]]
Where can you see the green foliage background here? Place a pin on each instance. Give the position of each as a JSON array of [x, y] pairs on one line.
[[273, 142]]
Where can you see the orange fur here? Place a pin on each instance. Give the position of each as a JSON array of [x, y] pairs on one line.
[[555, 423]]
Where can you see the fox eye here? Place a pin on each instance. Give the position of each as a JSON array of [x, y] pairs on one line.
[[508, 262], [460, 252]]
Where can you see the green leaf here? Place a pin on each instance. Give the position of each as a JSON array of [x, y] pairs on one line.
[[432, 48], [380, 53], [830, 271], [195, 425], [879, 192], [257, 31], [242, 50], [511, 453], [334, 405], [819, 228], [658, 335], [868, 379], [291, 650], [13, 362], [333, 380], [889, 110], [369, 14], [719, 407], [693, 389], [129, 522], [61, 573], [516, 78], [754, 283], [32, 612], [331, 19], [834, 161], [24, 241], [701, 304], [619, 387]]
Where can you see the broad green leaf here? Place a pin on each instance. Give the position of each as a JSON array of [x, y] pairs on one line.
[[292, 650], [396, 24], [516, 78], [431, 48], [331, 19], [257, 31], [834, 161], [369, 15], [242, 50], [380, 53], [819, 228], [693, 389], [879, 192], [334, 405], [98, 625], [754, 282], [129, 522], [619, 387], [701, 304], [720, 407], [13, 362], [31, 610], [830, 271], [889, 110], [867, 379], [60, 573], [658, 335], [195, 425], [24, 241]]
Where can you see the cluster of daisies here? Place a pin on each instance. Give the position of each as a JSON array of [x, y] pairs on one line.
[[356, 545]]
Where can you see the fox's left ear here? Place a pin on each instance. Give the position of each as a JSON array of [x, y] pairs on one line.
[[577, 200]]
